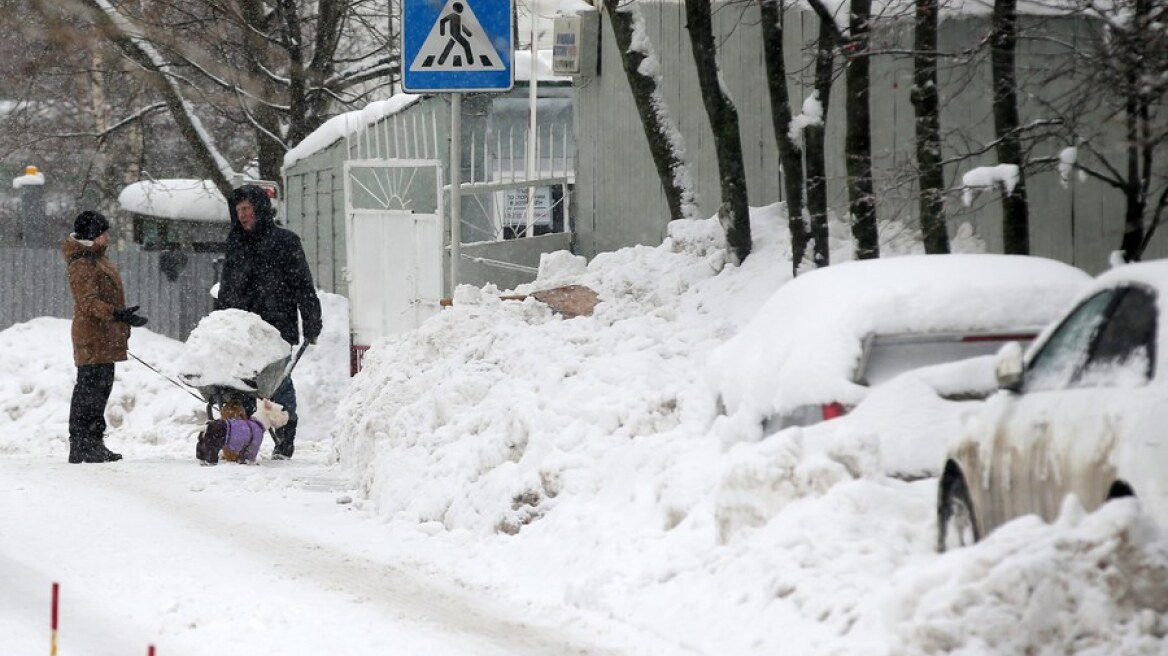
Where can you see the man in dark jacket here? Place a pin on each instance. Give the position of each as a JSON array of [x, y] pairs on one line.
[[101, 331], [265, 272]]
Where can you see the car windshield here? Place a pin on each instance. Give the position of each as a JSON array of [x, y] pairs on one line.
[[1108, 341], [1122, 356], [1061, 356]]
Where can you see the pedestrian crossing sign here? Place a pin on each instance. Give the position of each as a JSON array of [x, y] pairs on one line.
[[456, 45]]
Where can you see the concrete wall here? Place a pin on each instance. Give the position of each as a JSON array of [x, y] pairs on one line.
[[522, 252]]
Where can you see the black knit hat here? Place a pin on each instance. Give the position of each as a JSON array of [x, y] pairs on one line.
[[89, 225]]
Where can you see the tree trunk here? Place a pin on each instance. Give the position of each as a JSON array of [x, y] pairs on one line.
[[1015, 212], [734, 212], [1139, 140], [789, 154], [814, 140], [266, 119], [927, 105], [858, 140], [100, 165], [659, 130]]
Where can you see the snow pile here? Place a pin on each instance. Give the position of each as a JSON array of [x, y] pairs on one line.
[[229, 347], [36, 382], [544, 398], [149, 411], [1094, 584], [585, 463]]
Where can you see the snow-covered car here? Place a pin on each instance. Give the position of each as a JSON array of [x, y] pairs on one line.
[[913, 415], [822, 340], [1083, 412]]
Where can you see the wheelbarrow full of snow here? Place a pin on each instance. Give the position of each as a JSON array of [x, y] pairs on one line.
[[245, 391], [234, 356]]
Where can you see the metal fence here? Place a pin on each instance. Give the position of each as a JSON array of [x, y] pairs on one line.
[[173, 288]]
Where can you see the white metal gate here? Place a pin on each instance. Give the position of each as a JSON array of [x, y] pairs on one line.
[[394, 245]]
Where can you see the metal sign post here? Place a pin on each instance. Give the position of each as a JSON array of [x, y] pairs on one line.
[[455, 187]]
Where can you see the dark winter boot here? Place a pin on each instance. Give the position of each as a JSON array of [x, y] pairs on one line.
[[284, 438], [78, 450], [99, 453]]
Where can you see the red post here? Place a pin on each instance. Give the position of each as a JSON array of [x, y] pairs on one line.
[[53, 638], [150, 650]]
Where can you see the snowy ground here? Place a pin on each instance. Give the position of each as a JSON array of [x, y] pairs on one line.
[[504, 481]]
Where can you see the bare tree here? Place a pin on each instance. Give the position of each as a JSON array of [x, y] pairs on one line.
[[1126, 76], [1007, 125], [926, 101], [664, 139], [275, 68], [858, 138], [858, 133], [73, 110], [1138, 50], [815, 140], [734, 212], [790, 154]]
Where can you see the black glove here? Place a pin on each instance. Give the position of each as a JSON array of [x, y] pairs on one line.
[[130, 315], [311, 334]]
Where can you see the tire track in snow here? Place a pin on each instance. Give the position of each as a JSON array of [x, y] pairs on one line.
[[355, 578]]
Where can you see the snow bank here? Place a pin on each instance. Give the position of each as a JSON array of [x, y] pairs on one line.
[[584, 462], [149, 413]]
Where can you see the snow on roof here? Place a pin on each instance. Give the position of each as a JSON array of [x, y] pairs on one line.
[[543, 67], [31, 180], [344, 125], [1153, 273], [183, 199], [802, 345], [349, 123], [567, 7]]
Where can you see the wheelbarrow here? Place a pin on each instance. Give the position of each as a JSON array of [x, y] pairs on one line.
[[263, 386]]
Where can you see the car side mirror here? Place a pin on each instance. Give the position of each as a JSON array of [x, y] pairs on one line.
[[1008, 366]]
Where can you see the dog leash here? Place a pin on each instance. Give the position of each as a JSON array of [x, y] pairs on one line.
[[177, 384]]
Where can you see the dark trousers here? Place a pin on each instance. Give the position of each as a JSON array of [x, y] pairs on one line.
[[87, 408], [284, 437], [285, 395]]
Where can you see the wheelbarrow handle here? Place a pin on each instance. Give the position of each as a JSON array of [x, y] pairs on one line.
[[291, 365]]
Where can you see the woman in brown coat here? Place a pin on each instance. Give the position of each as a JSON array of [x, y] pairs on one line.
[[101, 331]]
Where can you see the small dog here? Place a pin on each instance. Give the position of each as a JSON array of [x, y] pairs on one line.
[[237, 435]]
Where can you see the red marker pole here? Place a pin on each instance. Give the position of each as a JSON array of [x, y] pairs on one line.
[[53, 639], [150, 650]]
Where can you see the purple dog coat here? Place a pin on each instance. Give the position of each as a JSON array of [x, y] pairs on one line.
[[244, 437], [239, 439]]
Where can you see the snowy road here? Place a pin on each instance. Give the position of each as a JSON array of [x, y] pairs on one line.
[[168, 553]]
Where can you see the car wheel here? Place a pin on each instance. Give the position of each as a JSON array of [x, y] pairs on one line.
[[956, 523], [1120, 489]]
